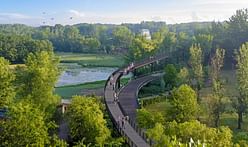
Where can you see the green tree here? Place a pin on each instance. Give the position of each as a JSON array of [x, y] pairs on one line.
[[159, 36], [169, 43], [39, 79], [196, 66], [218, 137], [170, 76], [157, 135], [7, 92], [147, 119], [184, 105], [25, 126], [206, 42], [183, 43], [242, 77], [86, 121], [217, 104], [183, 76], [122, 37], [140, 48]]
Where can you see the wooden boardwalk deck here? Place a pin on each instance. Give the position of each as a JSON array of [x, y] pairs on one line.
[[128, 103], [128, 95]]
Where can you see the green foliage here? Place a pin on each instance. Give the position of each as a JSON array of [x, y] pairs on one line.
[[241, 138], [39, 79], [205, 41], [56, 142], [151, 100], [25, 125], [183, 43], [169, 43], [196, 65], [170, 76], [16, 48], [147, 119], [7, 92], [157, 135], [183, 76], [86, 121], [173, 134], [242, 78], [122, 37], [184, 105], [141, 48], [218, 100], [238, 27], [197, 131], [159, 36]]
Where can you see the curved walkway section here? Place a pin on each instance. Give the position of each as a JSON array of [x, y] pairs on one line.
[[134, 136], [128, 95]]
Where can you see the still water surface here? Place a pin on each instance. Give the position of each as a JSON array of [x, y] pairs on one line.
[[75, 74]]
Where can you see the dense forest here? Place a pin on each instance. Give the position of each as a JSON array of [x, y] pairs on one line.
[[18, 40], [197, 54]]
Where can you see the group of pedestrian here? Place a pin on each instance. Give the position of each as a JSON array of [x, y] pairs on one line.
[[116, 99], [126, 70], [122, 121], [112, 82]]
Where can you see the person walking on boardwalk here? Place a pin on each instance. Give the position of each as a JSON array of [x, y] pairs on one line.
[[119, 122], [115, 98], [127, 118], [111, 80], [123, 122], [113, 85]]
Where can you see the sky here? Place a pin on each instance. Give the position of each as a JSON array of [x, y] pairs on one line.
[[67, 12]]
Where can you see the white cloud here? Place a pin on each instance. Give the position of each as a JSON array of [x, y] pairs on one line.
[[14, 16], [76, 13]]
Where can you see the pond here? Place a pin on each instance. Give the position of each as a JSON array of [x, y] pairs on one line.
[[75, 74]]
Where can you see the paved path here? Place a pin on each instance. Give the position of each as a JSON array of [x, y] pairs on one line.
[[128, 101]]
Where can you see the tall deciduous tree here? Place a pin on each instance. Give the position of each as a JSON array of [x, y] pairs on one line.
[[242, 77], [218, 100], [184, 105], [6, 86], [170, 76], [39, 79], [86, 121], [196, 66], [206, 42]]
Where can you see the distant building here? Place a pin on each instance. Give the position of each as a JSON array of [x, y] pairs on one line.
[[146, 34]]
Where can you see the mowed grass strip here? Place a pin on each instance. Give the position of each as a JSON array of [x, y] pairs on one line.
[[91, 60], [70, 90]]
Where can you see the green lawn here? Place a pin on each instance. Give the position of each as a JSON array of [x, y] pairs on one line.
[[69, 91], [158, 107], [91, 60]]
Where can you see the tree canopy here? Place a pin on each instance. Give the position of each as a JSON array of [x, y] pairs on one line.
[[7, 91], [86, 121]]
